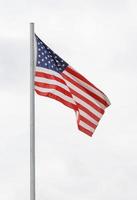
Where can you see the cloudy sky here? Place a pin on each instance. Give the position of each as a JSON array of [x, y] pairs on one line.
[[98, 38]]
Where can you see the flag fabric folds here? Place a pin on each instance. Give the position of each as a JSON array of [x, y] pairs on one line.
[[54, 78]]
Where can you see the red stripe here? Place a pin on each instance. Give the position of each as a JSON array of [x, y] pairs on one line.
[[48, 76], [87, 101], [68, 104], [74, 73], [44, 75], [53, 96], [56, 87], [81, 128], [88, 112], [87, 121], [77, 85], [78, 75], [79, 105]]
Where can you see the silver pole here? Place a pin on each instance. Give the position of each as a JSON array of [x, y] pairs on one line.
[[32, 116]]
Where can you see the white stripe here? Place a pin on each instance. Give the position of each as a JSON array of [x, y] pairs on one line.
[[82, 113], [90, 98], [86, 126], [78, 100], [89, 87], [51, 81], [56, 92], [41, 69], [47, 71]]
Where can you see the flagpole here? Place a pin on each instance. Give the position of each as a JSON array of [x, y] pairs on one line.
[[32, 116]]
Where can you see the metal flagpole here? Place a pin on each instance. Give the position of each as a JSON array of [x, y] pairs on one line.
[[32, 116]]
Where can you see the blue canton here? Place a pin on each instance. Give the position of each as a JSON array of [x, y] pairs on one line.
[[48, 59]]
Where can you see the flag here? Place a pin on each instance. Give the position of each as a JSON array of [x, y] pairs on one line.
[[54, 78]]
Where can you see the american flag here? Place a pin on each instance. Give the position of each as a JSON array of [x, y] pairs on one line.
[[54, 78]]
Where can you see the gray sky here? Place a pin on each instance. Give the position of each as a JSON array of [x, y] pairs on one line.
[[98, 38]]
